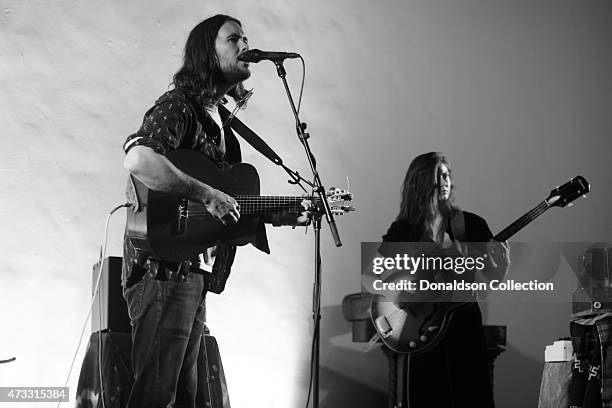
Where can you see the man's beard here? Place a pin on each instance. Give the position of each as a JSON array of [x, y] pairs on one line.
[[234, 74]]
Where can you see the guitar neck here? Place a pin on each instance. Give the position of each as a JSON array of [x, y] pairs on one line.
[[269, 204], [523, 221]]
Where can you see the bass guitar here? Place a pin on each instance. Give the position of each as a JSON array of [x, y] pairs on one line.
[[412, 324], [174, 228]]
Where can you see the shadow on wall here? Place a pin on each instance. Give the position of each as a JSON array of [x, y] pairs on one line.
[[349, 377], [345, 392], [517, 380]]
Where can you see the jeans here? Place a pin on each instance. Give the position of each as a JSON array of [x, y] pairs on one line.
[[167, 320]]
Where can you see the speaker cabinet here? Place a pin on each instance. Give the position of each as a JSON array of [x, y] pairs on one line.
[[117, 376], [110, 311]]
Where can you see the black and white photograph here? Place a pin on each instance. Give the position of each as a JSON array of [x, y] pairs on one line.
[[266, 203]]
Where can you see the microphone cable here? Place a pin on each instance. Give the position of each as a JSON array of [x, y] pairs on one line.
[[302, 86]]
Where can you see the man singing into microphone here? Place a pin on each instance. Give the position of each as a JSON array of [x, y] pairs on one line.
[[166, 299]]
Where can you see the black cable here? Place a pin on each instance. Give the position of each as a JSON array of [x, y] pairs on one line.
[[302, 87]]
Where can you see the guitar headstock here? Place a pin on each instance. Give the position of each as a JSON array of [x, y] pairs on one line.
[[338, 199], [563, 195], [335, 194]]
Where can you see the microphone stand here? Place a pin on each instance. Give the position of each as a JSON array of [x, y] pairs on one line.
[[320, 190]]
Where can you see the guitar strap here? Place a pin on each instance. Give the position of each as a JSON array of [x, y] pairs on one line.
[[458, 226], [251, 137], [458, 230]]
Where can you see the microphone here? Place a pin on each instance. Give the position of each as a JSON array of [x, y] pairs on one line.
[[256, 55]]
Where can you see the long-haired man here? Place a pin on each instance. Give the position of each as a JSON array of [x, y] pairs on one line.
[[167, 314]]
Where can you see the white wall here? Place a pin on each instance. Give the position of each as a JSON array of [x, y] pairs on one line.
[[516, 93]]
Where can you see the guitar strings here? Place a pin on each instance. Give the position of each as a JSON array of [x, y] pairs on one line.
[[258, 204], [521, 222], [247, 209]]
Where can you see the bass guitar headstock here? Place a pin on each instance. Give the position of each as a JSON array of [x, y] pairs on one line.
[[564, 195]]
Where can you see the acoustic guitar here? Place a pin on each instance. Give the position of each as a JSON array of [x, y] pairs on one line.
[[174, 228]]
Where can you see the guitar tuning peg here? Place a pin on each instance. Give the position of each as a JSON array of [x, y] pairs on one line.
[[584, 196], [570, 205]]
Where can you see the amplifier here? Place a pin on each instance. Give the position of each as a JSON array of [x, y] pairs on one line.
[[109, 311]]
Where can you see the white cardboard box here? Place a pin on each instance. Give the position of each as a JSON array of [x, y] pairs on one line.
[[560, 350]]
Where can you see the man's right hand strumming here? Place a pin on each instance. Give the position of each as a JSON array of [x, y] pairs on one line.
[[221, 206]]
